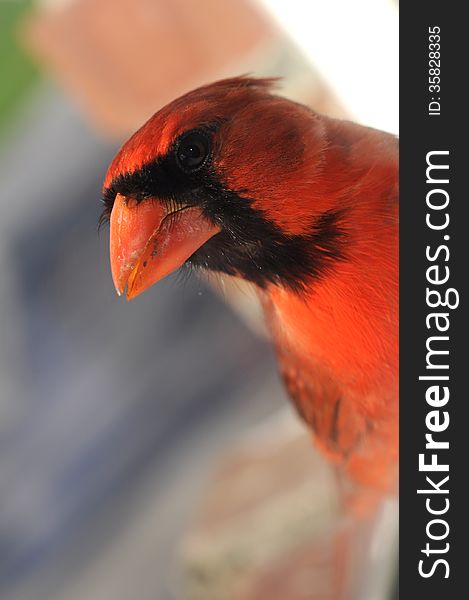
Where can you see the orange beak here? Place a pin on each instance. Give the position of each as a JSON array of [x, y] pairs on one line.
[[148, 241]]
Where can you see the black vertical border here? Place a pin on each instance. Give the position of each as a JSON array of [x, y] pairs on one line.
[[419, 134]]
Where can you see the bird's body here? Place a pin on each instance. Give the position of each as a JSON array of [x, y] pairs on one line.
[[236, 180], [337, 342]]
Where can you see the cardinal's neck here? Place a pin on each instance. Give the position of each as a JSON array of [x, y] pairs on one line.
[[346, 322]]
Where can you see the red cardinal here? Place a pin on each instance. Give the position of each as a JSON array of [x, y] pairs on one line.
[[234, 179]]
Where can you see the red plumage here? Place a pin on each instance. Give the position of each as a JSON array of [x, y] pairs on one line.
[[335, 329]]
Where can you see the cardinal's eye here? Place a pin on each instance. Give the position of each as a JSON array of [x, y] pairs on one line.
[[193, 150]]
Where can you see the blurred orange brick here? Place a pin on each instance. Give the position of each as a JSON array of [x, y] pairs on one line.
[[124, 59]]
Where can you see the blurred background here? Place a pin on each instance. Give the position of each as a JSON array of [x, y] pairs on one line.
[[147, 450]]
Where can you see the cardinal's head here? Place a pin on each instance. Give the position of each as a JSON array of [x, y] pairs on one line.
[[230, 178]]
